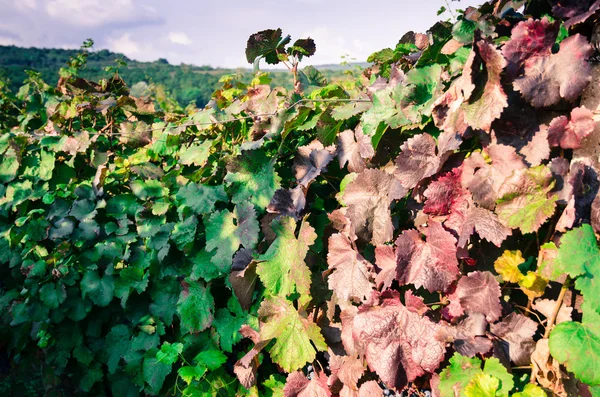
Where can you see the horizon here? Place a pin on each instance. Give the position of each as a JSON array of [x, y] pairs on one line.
[[200, 34]]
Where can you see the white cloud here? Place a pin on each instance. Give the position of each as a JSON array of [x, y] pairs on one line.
[[25, 4], [180, 38], [96, 13], [331, 46], [4, 40], [124, 45]]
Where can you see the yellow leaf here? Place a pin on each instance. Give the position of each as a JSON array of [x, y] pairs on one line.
[[508, 266], [533, 285]]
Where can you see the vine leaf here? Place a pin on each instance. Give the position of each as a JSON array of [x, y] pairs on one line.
[[565, 74], [579, 256], [575, 11], [195, 307], [311, 160], [476, 98], [431, 264], [347, 369], [368, 197], [282, 269], [354, 147], [266, 44], [525, 200], [477, 292], [568, 134], [577, 346], [418, 160], [528, 40], [507, 266], [288, 202], [465, 377], [399, 345], [350, 277], [252, 178], [302, 48], [226, 231], [297, 385], [518, 331], [292, 331], [200, 198]]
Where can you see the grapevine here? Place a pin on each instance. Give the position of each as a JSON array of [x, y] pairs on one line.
[[426, 228]]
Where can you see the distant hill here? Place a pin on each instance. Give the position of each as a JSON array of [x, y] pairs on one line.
[[186, 83]]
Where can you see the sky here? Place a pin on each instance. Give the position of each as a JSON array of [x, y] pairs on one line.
[[203, 32]]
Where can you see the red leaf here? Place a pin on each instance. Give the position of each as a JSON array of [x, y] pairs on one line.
[[417, 160], [312, 159], [529, 39], [348, 369], [569, 134], [399, 345], [297, 385], [385, 259], [518, 331], [561, 75], [476, 98], [432, 264], [368, 198], [351, 278], [576, 11], [354, 147], [478, 292]]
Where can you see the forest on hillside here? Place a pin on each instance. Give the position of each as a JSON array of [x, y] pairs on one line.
[[184, 83]]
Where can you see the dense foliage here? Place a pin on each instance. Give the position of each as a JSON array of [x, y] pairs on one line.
[[185, 83], [427, 227]]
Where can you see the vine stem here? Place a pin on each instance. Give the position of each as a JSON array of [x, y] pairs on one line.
[[559, 301]]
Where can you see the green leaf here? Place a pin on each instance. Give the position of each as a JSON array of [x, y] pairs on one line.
[[46, 165], [578, 252], [9, 166], [274, 386], [200, 198], [579, 256], [164, 295], [195, 307], [252, 178], [494, 368], [226, 231], [464, 377], [314, 76], [525, 204], [155, 372], [458, 374], [577, 346], [189, 374], [91, 377], [117, 345], [53, 294], [99, 290], [212, 358], [482, 385], [293, 334], [184, 233], [228, 325], [531, 390], [169, 353], [195, 154], [463, 31], [148, 189], [282, 269]]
